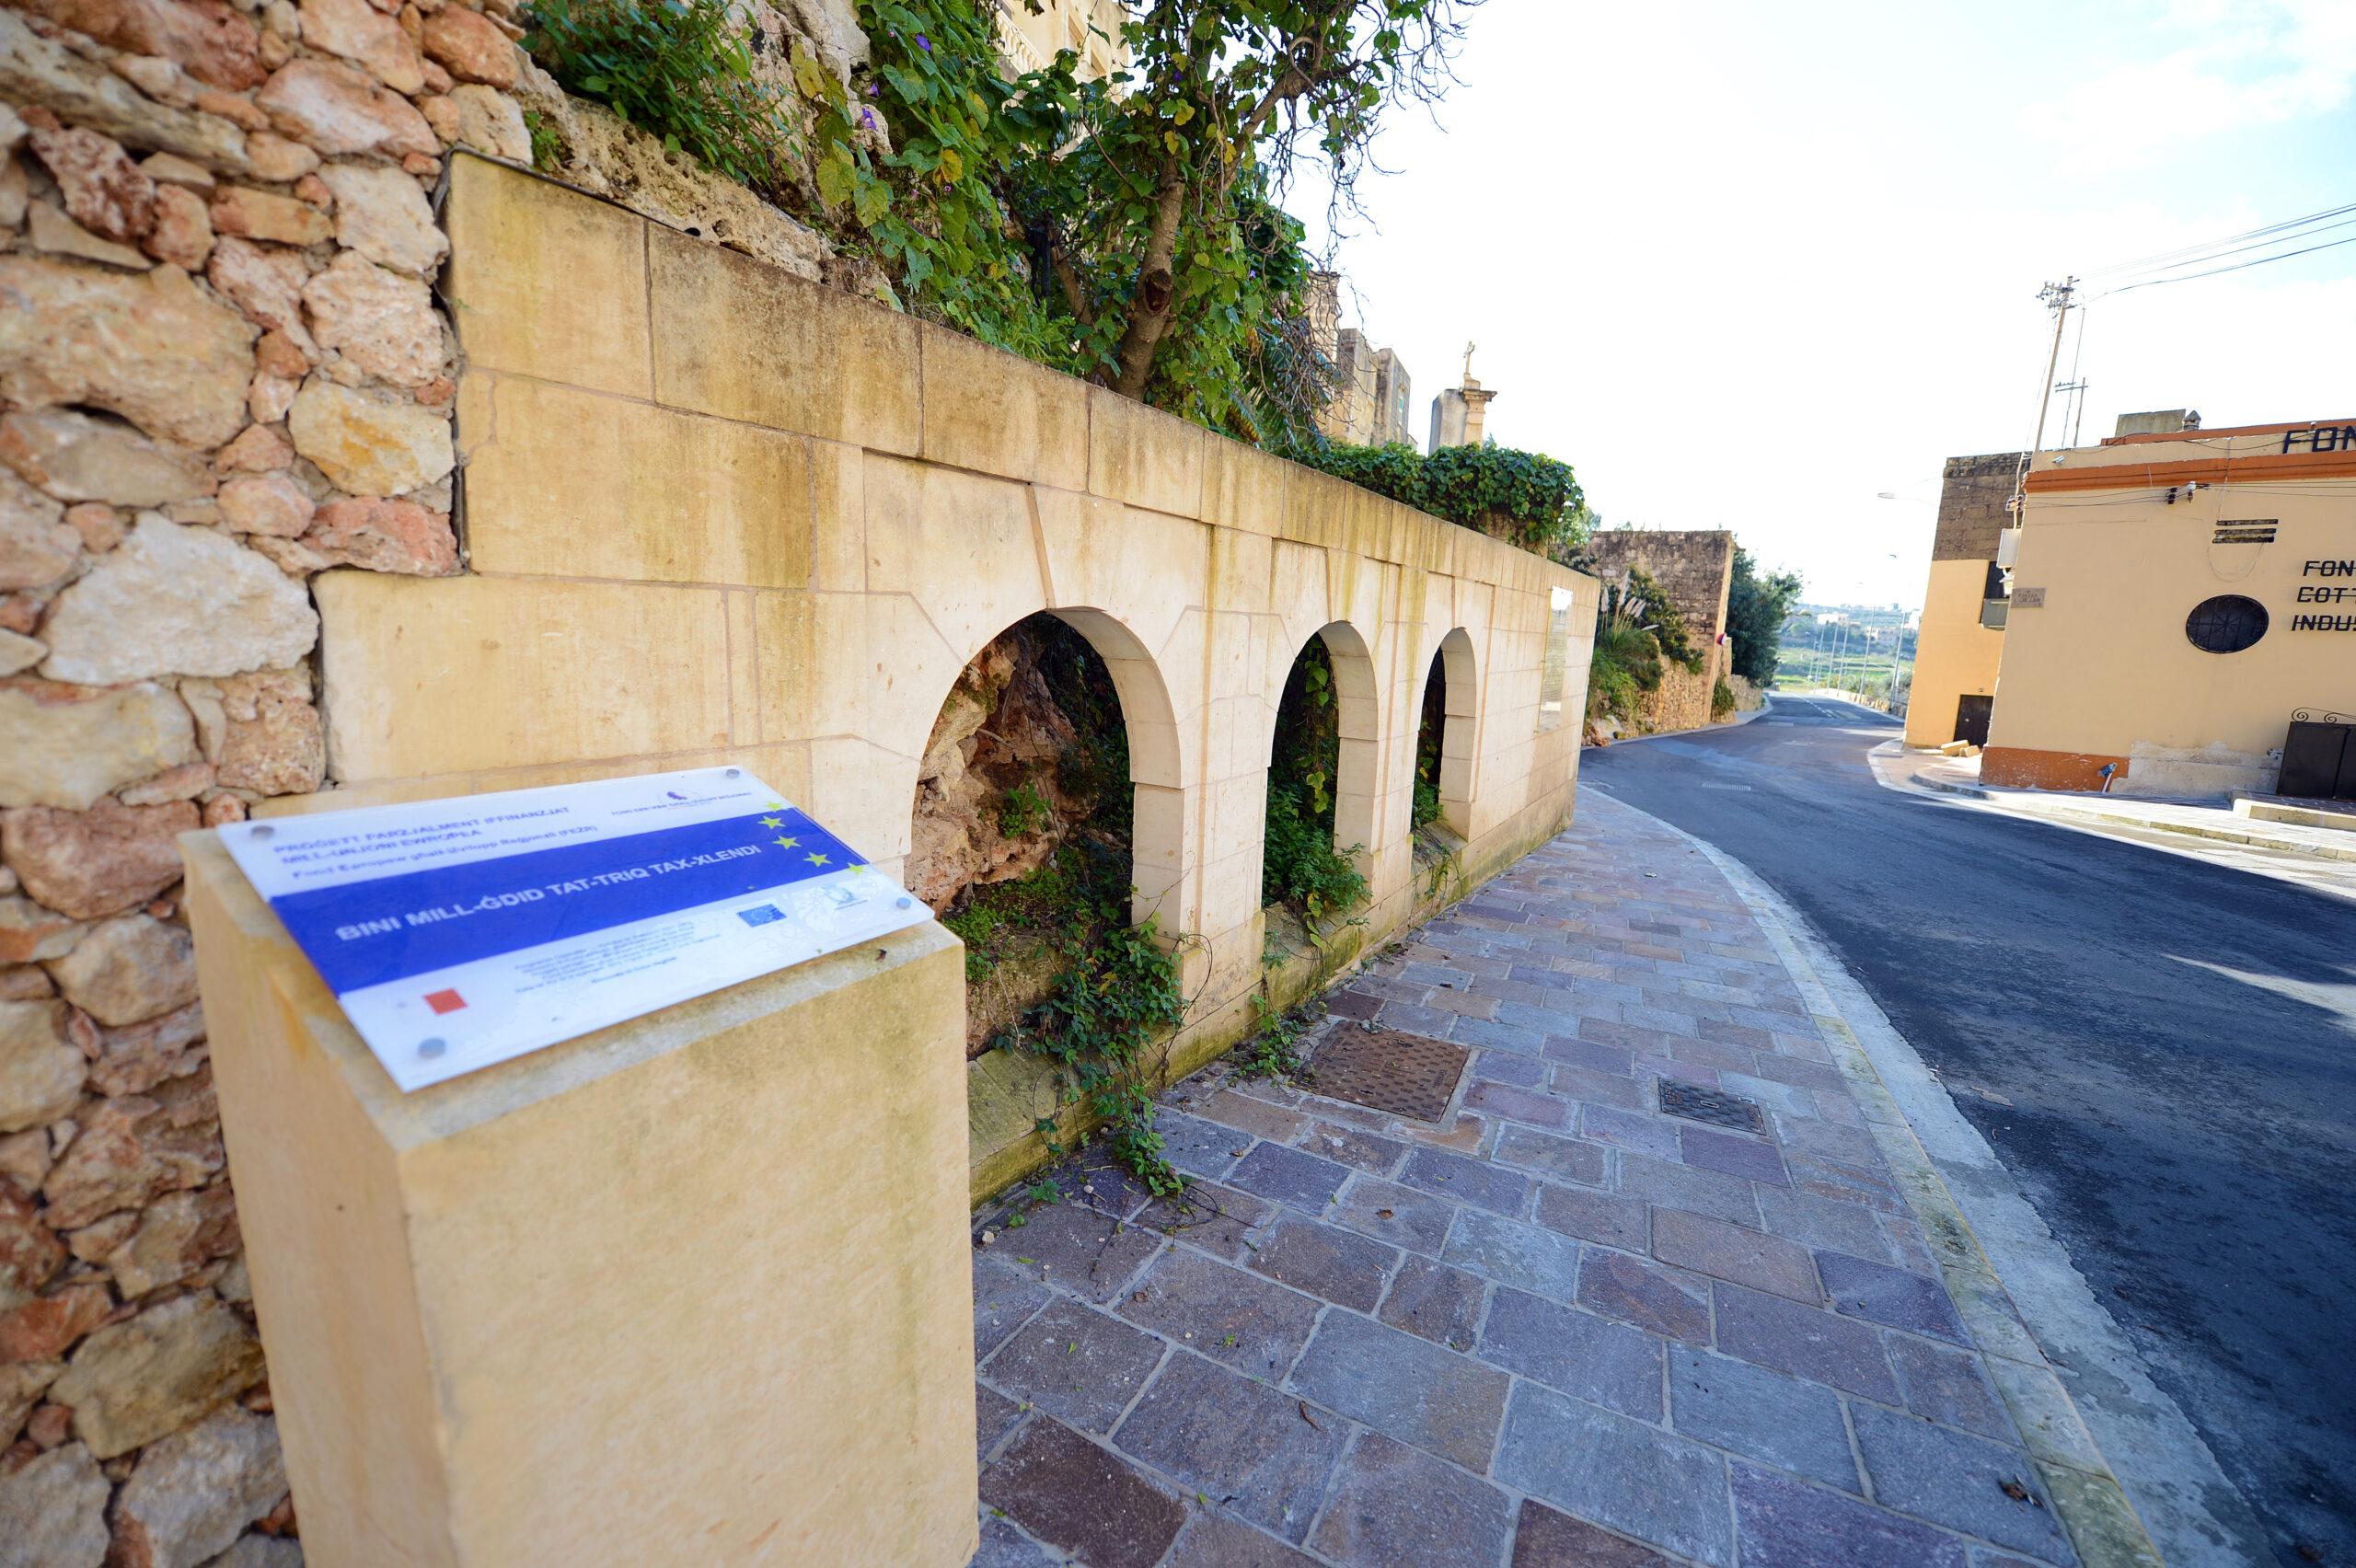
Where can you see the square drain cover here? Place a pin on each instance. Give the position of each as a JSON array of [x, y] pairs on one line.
[[1712, 1105], [1404, 1075]]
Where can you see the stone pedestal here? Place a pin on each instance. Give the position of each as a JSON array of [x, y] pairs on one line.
[[695, 1288]]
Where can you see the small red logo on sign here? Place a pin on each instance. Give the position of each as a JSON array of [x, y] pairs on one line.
[[446, 1001]]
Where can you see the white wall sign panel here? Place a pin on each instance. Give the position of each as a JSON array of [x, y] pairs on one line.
[[463, 932]]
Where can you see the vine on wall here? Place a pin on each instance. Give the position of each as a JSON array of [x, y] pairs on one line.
[[1524, 498]]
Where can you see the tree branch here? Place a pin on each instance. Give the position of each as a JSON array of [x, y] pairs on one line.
[[1156, 288], [1074, 296]]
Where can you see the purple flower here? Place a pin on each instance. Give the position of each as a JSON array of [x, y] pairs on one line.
[[924, 43], [867, 117]]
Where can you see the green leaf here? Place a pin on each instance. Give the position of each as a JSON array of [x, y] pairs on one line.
[[834, 180], [808, 75]]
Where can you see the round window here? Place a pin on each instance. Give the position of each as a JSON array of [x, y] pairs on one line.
[[2226, 624]]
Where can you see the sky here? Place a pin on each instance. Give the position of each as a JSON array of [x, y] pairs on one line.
[[1746, 267]]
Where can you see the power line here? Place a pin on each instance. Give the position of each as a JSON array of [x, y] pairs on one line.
[[2236, 267], [2259, 245], [2190, 254]]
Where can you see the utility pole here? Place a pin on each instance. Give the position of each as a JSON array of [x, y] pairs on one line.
[[2057, 298], [1897, 648]]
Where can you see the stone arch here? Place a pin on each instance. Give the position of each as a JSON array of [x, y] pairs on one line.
[[1359, 719], [1156, 764], [1356, 785], [1458, 670], [1157, 768]]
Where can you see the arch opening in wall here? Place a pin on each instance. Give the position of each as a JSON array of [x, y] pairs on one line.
[[1319, 829], [1038, 824], [1445, 739]]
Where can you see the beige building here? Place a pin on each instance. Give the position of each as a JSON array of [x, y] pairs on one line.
[[1034, 31], [2177, 597], [1369, 406], [1370, 385], [1962, 634]]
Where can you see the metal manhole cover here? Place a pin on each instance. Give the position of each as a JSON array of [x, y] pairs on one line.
[[1405, 1074], [1713, 1106]]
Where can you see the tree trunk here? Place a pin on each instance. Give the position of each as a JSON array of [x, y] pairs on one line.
[[1157, 287]]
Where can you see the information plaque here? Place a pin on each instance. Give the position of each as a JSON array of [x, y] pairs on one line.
[[461, 933]]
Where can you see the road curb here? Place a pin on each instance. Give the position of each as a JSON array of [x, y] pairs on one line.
[[2085, 1492], [1948, 787], [1741, 718], [2071, 811]]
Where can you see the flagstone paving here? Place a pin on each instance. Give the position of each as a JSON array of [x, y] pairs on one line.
[[1556, 1328]]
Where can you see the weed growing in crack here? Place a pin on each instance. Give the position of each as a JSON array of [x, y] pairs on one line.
[[1109, 1012], [1274, 1050], [1023, 808]]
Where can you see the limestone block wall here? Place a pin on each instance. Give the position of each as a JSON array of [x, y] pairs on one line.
[[714, 512]]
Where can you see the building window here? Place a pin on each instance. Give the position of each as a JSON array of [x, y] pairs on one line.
[[2226, 624]]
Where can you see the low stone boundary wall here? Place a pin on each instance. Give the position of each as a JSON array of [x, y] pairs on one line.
[[761, 522]]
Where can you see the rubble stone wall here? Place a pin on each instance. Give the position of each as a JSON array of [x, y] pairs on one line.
[[1695, 568], [1681, 701], [225, 374]]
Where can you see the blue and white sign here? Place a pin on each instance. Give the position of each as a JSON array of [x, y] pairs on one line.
[[463, 932]]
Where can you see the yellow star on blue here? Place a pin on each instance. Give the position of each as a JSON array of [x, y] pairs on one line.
[[817, 859], [787, 843], [772, 821]]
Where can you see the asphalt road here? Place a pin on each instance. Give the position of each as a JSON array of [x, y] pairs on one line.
[[2188, 1134]]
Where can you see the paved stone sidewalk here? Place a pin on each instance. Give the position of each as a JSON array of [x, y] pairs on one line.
[[1558, 1328]]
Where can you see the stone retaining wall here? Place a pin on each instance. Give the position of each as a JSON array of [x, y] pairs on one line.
[[1694, 568], [1681, 701], [223, 372]]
